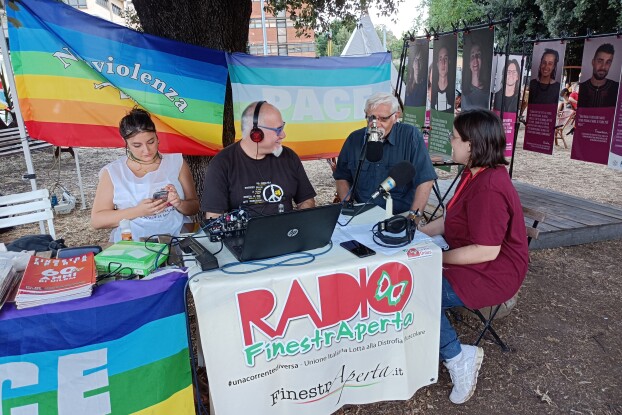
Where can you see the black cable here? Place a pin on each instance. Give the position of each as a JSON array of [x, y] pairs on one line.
[[285, 262], [159, 252], [118, 271], [377, 234], [360, 209]]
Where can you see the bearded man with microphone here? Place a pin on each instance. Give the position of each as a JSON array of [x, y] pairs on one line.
[[385, 143]]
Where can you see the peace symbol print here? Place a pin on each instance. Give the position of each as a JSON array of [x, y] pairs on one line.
[[272, 193]]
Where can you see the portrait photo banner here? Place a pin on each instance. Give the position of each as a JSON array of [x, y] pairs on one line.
[[477, 68], [123, 350], [77, 75], [443, 95], [417, 85], [322, 100], [546, 72], [599, 86], [615, 153], [506, 96]]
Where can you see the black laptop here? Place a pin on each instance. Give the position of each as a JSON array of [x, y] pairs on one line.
[[285, 233]]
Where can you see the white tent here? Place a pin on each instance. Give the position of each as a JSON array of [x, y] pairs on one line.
[[365, 40]]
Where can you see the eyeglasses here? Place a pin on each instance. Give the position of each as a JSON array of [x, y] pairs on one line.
[[277, 130], [379, 118]]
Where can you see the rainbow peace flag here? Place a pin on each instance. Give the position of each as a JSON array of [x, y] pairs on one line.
[[122, 351], [77, 75], [322, 100]]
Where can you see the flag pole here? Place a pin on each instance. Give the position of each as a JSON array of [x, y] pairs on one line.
[[18, 114]]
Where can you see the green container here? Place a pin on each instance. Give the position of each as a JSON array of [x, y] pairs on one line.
[[129, 257]]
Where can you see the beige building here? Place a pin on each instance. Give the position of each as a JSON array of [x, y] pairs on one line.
[[110, 10], [280, 35]]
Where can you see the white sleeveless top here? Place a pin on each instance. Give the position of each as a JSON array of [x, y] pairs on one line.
[[129, 190]]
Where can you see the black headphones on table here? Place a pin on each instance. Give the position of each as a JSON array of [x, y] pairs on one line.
[[395, 224], [256, 133]]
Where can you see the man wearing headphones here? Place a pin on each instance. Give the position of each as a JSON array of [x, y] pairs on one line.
[[257, 173]]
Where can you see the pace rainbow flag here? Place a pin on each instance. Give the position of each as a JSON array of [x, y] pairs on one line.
[[122, 351], [77, 75], [322, 100]]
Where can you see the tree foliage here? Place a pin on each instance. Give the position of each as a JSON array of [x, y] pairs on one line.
[[394, 45], [339, 31], [443, 13], [532, 19], [573, 17], [318, 14]]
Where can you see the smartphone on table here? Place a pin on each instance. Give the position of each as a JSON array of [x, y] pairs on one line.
[[358, 248]]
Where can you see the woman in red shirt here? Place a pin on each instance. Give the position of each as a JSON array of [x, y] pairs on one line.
[[485, 229]]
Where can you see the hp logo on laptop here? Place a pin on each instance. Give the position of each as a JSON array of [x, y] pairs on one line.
[[292, 232]]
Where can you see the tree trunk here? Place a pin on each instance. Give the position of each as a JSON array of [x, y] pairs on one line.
[[216, 24]]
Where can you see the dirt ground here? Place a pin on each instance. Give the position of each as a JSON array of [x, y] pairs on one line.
[[565, 332]]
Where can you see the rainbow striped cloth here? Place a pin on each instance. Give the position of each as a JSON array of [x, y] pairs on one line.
[[322, 100], [122, 351], [77, 75]]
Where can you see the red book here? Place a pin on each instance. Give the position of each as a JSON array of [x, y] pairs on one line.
[[48, 280]]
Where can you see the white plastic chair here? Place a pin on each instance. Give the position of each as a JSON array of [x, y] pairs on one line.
[[28, 207]]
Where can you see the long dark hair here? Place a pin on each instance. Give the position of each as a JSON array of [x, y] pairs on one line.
[[444, 42], [136, 121], [553, 52], [483, 129], [518, 75]]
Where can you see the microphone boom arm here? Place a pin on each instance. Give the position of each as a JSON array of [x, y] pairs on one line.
[[348, 206]]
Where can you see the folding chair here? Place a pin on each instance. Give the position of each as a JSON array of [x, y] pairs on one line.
[[565, 119], [487, 314]]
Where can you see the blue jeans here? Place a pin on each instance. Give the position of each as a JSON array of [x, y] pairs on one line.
[[449, 345]]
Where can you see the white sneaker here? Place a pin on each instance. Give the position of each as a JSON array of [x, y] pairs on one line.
[[463, 372]]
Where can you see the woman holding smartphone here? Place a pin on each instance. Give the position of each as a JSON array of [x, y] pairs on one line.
[[154, 191], [485, 229]]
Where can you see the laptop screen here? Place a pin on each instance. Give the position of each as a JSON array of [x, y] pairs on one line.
[[285, 233]]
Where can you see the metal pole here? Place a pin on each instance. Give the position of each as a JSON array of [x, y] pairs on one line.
[[520, 103], [384, 37], [75, 153], [263, 28], [18, 115], [400, 72]]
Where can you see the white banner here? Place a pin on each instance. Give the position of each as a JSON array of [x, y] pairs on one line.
[[310, 339]]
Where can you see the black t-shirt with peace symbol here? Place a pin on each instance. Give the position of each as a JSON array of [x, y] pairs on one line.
[[234, 180]]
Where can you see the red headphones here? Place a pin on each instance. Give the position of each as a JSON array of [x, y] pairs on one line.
[[256, 133]]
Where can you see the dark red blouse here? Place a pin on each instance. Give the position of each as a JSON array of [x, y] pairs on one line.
[[488, 212]]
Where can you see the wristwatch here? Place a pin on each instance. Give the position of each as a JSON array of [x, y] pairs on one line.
[[417, 216]]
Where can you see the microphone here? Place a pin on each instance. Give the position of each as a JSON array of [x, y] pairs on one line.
[[399, 175], [374, 150]]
